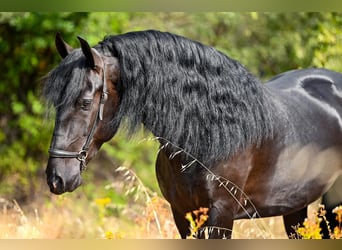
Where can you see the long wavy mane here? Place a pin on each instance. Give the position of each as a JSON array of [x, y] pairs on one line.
[[189, 93]]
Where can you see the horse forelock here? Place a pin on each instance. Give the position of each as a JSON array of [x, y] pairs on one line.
[[64, 84]]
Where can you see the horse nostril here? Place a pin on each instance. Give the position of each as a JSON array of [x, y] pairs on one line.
[[56, 185]]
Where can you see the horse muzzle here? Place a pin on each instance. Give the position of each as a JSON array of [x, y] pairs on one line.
[[62, 178], [59, 186]]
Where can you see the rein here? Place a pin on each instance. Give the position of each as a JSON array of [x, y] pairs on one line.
[[83, 153]]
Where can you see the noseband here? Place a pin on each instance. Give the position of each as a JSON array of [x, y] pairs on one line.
[[83, 153]]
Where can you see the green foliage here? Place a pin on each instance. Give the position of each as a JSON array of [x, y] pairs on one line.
[[267, 43], [26, 54], [137, 153]]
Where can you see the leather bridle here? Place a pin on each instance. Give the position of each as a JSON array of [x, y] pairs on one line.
[[83, 153]]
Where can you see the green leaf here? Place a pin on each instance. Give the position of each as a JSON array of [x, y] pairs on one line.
[[18, 107]]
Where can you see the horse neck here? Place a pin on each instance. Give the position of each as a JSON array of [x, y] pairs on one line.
[[206, 122], [202, 101]]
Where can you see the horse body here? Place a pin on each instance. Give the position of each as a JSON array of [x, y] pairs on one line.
[[311, 148], [298, 165], [228, 142]]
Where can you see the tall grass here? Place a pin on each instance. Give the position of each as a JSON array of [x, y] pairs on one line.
[[311, 227], [124, 208], [76, 216]]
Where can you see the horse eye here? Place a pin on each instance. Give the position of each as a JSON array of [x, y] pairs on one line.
[[86, 104]]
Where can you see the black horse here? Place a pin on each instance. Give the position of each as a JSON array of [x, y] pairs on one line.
[[229, 143]]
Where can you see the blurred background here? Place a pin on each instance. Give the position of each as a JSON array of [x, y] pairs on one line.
[[120, 196]]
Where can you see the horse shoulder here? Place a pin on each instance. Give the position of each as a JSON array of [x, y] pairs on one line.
[[180, 188]]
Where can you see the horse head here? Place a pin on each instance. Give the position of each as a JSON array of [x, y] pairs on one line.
[[81, 124]]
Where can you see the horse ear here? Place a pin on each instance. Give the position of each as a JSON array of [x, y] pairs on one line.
[[87, 52], [63, 48]]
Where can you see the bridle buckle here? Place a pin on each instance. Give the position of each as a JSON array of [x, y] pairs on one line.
[[82, 155]]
